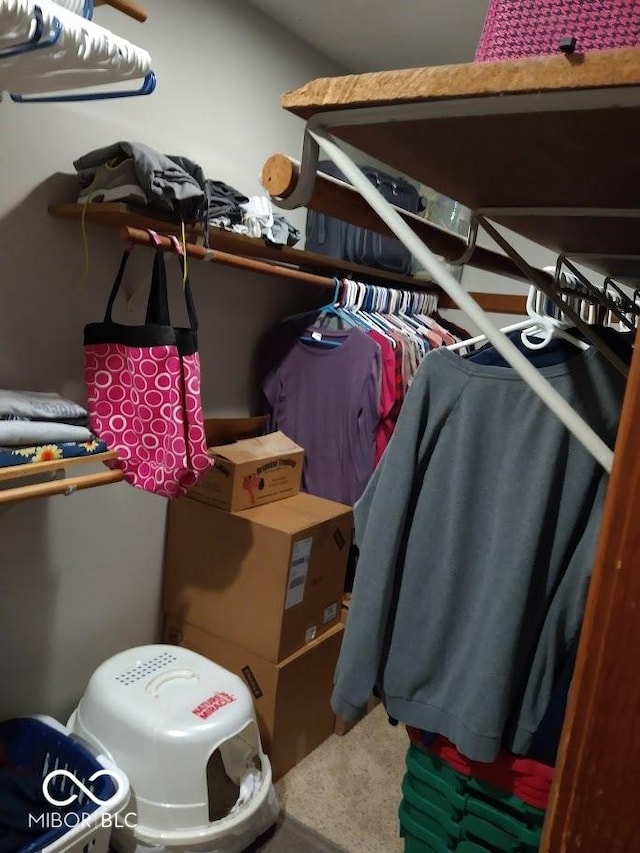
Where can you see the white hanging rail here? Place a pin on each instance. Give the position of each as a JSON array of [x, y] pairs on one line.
[[542, 388]]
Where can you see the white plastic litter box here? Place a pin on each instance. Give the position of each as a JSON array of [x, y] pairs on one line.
[[184, 731]]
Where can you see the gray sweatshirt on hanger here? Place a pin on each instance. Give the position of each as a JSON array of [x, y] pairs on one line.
[[477, 536]]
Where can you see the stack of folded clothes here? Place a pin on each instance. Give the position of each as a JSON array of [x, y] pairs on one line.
[[43, 426], [253, 216], [134, 173]]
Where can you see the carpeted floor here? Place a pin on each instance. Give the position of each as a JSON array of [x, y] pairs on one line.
[[290, 836], [348, 790]]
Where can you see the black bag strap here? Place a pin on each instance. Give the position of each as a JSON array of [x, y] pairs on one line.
[[188, 296], [158, 302], [116, 286]]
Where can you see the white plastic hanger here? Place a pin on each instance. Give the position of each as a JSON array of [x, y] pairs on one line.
[[545, 327], [478, 339]]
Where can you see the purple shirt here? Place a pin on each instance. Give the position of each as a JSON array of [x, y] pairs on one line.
[[327, 399]]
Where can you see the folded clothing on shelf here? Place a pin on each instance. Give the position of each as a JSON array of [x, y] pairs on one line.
[[39, 405], [112, 181], [10, 456], [29, 418], [134, 172], [225, 201], [257, 220], [77, 422], [18, 433]]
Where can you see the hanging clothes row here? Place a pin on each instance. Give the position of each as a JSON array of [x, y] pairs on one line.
[[335, 379]]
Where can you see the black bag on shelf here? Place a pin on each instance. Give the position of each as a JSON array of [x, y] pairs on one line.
[[324, 234], [343, 241]]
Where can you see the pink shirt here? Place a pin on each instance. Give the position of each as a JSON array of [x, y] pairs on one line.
[[387, 392]]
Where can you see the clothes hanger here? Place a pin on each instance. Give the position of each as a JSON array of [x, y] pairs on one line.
[[314, 336], [76, 53], [356, 295], [478, 339], [619, 301], [372, 299], [24, 31], [381, 299], [329, 308], [545, 326]]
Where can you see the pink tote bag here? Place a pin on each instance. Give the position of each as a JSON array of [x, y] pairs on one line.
[[143, 391]]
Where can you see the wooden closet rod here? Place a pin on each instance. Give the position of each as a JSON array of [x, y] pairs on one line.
[[336, 198], [59, 487], [142, 238], [128, 7], [497, 303]]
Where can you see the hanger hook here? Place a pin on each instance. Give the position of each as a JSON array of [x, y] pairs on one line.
[[336, 290]]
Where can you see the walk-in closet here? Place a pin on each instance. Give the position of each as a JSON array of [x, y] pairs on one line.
[[318, 469]]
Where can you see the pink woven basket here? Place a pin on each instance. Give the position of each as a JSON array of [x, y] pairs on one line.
[[517, 28]]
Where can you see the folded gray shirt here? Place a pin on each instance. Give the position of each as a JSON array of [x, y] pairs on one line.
[[27, 433], [163, 179], [38, 404]]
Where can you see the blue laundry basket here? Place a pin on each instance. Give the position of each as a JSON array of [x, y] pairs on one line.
[[88, 792]]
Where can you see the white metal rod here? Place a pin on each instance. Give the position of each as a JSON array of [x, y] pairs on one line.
[[544, 390]]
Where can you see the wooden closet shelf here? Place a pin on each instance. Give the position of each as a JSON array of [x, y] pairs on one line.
[[248, 253], [545, 145], [116, 214], [340, 200], [59, 485]]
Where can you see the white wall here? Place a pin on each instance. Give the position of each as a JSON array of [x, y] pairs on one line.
[[80, 576]]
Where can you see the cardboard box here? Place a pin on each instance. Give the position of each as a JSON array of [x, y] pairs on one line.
[[291, 698], [251, 471], [270, 579]]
